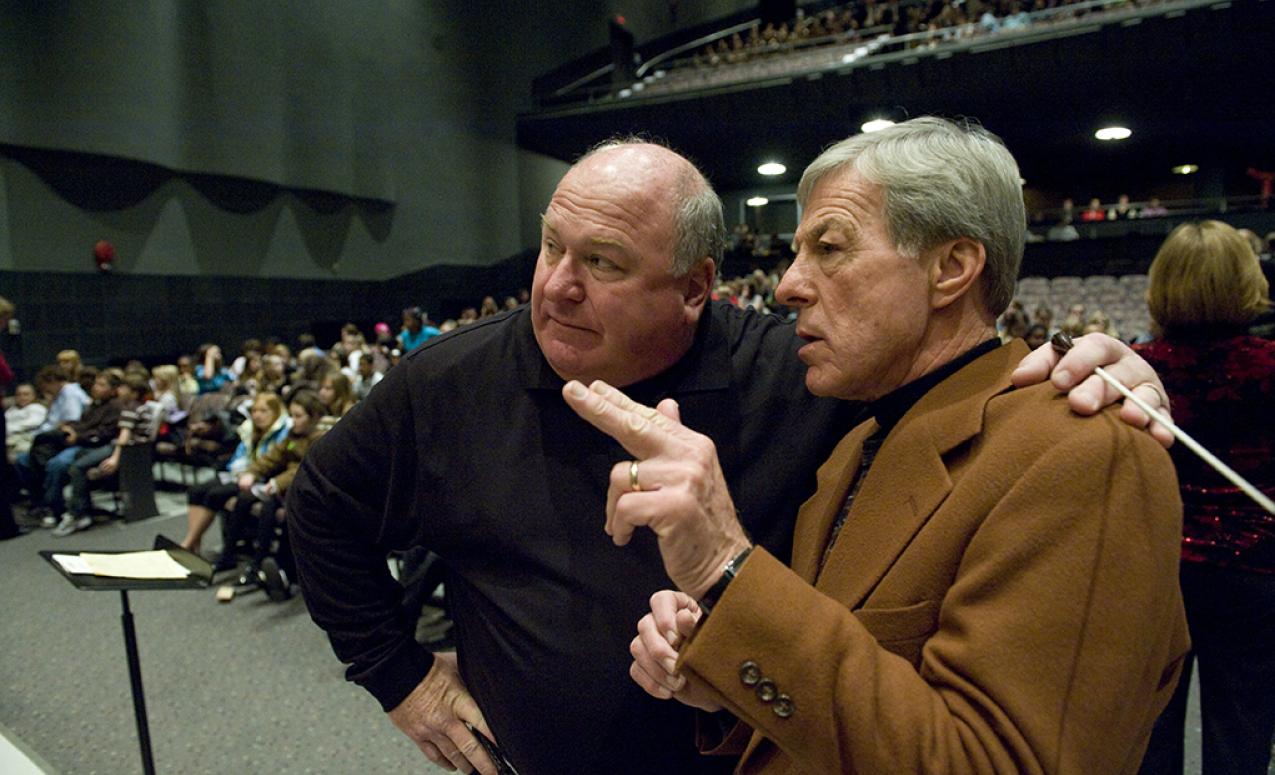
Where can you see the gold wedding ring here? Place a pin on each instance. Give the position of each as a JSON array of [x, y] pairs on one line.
[[633, 480], [1164, 399]]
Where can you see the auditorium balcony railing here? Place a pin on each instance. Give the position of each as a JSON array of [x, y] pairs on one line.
[[1151, 218], [679, 71]]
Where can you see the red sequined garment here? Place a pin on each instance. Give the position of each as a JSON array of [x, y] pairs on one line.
[[1223, 394]]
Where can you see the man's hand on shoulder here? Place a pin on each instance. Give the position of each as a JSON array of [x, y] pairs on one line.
[[1087, 393], [434, 717]]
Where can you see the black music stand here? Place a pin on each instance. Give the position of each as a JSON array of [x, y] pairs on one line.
[[200, 578]]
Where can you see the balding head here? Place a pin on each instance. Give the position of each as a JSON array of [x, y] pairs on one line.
[[698, 224], [625, 263]]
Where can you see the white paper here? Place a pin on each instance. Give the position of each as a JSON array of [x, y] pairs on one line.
[[156, 564], [72, 563]]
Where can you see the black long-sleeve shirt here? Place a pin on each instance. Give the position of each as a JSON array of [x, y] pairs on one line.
[[467, 448]]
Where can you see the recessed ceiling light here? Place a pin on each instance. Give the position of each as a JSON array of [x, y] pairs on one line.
[[757, 201], [1113, 133], [772, 168], [1186, 169], [876, 125]]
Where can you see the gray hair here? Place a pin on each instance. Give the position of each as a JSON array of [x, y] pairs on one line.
[[700, 220], [941, 180]]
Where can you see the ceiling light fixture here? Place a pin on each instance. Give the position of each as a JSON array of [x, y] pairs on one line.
[[876, 124], [1113, 133], [1186, 169], [772, 168], [757, 201]]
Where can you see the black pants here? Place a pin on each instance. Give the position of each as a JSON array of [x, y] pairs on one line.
[[212, 495], [1232, 619], [8, 528]]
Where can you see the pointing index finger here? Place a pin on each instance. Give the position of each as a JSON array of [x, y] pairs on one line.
[[642, 431]]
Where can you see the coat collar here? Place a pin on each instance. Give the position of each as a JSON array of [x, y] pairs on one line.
[[905, 485]]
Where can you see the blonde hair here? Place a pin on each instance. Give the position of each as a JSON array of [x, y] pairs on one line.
[[167, 375], [76, 369], [275, 405], [1205, 275]]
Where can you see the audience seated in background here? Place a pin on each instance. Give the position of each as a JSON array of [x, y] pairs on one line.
[[138, 422], [262, 488], [241, 362], [210, 374], [166, 388], [43, 470], [69, 363], [266, 426], [1037, 335], [21, 420], [1205, 288], [65, 396], [187, 384], [1123, 211], [1098, 321], [1094, 212], [336, 393], [367, 377], [415, 331]]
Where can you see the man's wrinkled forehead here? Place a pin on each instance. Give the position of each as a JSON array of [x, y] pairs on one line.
[[548, 228]]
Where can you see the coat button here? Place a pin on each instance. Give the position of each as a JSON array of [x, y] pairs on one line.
[[766, 690], [749, 673], [783, 706]]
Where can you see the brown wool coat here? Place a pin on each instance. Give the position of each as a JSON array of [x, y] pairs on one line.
[[1012, 572]]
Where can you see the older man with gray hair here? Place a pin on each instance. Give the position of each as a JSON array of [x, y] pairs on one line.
[[983, 582]]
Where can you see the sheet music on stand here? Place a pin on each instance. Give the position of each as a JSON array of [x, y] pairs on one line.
[[153, 564]]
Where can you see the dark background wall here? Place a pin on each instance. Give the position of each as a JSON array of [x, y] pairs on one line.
[[269, 168], [331, 139]]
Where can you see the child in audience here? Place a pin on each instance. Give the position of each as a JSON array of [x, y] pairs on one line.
[[167, 386], [336, 393], [21, 420], [367, 377], [211, 374], [187, 384], [138, 422], [44, 469], [69, 363], [266, 481], [266, 426], [274, 374]]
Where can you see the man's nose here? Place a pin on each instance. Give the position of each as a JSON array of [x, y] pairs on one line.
[[793, 291], [565, 282]]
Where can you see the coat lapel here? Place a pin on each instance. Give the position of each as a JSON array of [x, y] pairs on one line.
[[814, 520], [909, 479]]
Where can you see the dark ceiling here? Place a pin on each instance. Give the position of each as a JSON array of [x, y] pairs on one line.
[[1197, 88]]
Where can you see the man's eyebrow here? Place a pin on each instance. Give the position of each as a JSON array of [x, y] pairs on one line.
[[607, 241], [545, 223]]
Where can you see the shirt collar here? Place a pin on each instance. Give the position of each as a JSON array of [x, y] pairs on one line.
[[891, 407]]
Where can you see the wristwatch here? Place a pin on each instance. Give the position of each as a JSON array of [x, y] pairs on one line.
[[714, 593]]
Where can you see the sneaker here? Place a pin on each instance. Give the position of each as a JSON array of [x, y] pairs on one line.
[[71, 524]]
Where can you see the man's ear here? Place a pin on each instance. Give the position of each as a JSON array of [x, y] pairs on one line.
[[956, 270], [699, 284]]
